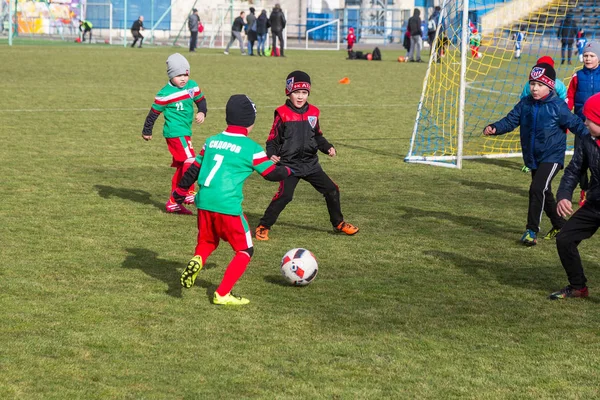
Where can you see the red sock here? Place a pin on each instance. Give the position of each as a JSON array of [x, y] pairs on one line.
[[183, 170], [175, 180], [204, 250], [234, 271]]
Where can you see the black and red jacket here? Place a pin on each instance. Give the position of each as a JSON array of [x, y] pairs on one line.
[[296, 137]]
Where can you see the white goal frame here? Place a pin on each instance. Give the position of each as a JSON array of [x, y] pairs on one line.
[[337, 44], [84, 8]]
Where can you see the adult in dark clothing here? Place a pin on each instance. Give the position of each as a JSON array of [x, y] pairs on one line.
[[567, 33], [262, 28], [251, 30], [586, 221], [236, 33], [135, 31], [277, 23], [193, 23], [416, 39], [432, 25]]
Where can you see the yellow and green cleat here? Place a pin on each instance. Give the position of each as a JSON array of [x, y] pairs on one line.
[[188, 277], [229, 299]]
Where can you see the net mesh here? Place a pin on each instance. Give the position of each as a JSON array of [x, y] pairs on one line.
[[505, 41]]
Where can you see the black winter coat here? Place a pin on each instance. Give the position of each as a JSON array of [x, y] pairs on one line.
[[587, 155], [261, 24], [277, 20], [568, 30]]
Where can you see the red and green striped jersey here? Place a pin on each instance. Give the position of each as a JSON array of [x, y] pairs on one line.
[[178, 106], [226, 161]]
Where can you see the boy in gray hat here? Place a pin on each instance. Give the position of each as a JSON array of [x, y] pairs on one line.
[[176, 100], [584, 84]]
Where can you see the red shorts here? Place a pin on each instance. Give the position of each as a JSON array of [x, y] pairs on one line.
[[234, 229], [181, 149]]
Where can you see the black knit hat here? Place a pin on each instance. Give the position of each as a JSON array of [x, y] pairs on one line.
[[543, 73], [297, 80], [240, 111]]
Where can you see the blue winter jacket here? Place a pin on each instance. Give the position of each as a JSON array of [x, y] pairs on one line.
[[588, 84], [543, 128]]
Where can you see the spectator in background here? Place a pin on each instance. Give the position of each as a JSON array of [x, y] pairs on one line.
[[416, 36], [262, 28], [193, 23], [85, 27], [567, 34], [135, 31], [277, 23], [236, 33], [251, 30], [432, 25]]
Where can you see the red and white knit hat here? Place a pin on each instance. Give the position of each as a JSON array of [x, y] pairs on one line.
[[591, 109]]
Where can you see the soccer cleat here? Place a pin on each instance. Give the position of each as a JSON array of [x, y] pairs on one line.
[[175, 208], [581, 198], [188, 277], [552, 234], [226, 52], [346, 228], [525, 169], [262, 233], [568, 292], [529, 238], [190, 198], [229, 299]]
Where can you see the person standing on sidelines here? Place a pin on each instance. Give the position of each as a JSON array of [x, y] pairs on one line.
[[193, 24], [416, 36], [567, 33], [277, 23], [262, 28], [221, 168], [137, 26], [251, 30], [236, 33], [585, 222]]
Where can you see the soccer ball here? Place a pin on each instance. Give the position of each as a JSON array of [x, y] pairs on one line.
[[402, 59], [299, 267], [479, 55], [369, 57]]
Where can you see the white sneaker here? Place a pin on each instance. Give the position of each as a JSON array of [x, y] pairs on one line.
[[226, 52]]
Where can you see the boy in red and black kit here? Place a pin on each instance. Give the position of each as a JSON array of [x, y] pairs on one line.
[[293, 142], [351, 39]]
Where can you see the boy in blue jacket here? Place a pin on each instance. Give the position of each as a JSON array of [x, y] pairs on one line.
[[543, 118]]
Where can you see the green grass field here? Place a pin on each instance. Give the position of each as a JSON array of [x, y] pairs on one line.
[[433, 299]]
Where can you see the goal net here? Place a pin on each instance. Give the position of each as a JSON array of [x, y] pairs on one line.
[[482, 56]]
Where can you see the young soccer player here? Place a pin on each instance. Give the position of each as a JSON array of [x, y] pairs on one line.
[[583, 85], [351, 39], [518, 37], [475, 42], [294, 141], [559, 88], [543, 118], [586, 221], [581, 42], [176, 100], [224, 163]]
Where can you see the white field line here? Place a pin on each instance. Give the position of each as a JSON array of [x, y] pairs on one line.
[[76, 110]]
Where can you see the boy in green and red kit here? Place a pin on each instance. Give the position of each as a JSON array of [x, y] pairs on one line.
[[221, 168], [176, 100], [294, 141]]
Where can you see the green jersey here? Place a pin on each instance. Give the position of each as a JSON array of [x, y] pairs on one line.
[[178, 106], [226, 161]]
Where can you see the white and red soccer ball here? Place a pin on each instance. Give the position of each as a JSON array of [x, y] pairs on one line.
[[299, 267]]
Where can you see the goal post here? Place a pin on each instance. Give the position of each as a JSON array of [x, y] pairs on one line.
[[479, 66], [101, 16], [325, 36]]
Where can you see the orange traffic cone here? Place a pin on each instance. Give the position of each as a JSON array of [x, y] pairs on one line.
[[345, 80]]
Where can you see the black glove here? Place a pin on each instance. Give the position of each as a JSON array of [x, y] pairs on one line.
[[179, 195]]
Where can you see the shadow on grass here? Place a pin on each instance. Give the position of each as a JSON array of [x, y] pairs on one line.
[[490, 227], [166, 271], [500, 162], [495, 186], [276, 280], [254, 220], [543, 277], [138, 196], [340, 143]]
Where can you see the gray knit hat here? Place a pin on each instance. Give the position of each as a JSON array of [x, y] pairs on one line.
[[177, 65], [592, 47]]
